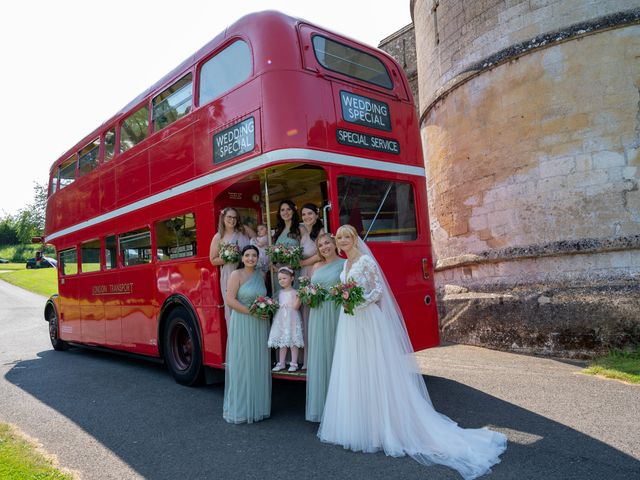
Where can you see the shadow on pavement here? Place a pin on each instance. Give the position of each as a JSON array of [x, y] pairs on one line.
[[163, 430]]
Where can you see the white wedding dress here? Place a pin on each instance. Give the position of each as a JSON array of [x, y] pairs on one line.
[[377, 399]]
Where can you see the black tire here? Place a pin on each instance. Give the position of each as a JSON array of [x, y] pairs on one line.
[[56, 343], [182, 350]]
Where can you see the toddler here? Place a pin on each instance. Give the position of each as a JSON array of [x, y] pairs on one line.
[[261, 241], [286, 330]]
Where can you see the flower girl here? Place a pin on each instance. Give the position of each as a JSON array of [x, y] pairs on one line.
[[286, 330]]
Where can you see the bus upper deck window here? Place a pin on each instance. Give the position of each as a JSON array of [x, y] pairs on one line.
[[172, 104], [134, 129], [53, 183], [88, 157], [224, 71], [67, 172], [351, 62], [109, 144]]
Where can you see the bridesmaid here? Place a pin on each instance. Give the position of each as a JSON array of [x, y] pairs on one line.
[[287, 230], [288, 227], [310, 228], [323, 322], [230, 230], [247, 386]]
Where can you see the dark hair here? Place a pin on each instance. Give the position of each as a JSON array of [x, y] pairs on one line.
[[294, 231], [248, 247], [315, 230]]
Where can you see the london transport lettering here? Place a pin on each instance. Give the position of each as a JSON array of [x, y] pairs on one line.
[[365, 111], [112, 289], [371, 142], [234, 141]]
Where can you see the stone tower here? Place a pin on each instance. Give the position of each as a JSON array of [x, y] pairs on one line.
[[530, 121]]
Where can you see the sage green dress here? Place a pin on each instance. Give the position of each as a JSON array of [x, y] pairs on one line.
[[323, 322], [247, 387], [287, 241]]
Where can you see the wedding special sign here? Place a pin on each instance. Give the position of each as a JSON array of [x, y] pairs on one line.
[[234, 141], [365, 111]]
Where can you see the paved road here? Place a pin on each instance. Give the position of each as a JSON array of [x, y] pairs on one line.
[[109, 417]]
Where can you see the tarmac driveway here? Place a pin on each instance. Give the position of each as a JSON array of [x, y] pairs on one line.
[[109, 417]]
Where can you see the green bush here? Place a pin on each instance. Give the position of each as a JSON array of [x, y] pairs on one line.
[[21, 253]]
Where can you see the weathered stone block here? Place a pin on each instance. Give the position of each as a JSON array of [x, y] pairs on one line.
[[608, 159]]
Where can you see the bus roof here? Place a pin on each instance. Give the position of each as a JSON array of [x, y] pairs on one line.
[[247, 23]]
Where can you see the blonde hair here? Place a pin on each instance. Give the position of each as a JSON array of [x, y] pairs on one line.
[[331, 238], [238, 228], [349, 231]]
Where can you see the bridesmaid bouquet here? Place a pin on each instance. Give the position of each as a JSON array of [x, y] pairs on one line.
[[349, 295], [229, 252], [282, 255], [263, 306], [311, 294]]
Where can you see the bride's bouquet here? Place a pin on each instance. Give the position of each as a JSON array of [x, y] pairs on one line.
[[348, 294], [311, 294], [263, 306], [282, 255], [229, 252]]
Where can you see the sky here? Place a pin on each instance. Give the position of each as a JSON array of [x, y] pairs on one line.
[[69, 65]]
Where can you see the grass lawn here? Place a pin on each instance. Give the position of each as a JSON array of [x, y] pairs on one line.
[[43, 281], [19, 459], [619, 365], [12, 266]]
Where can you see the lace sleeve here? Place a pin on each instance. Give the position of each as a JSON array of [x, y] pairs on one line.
[[370, 281]]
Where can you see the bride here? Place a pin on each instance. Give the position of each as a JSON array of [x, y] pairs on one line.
[[377, 399]]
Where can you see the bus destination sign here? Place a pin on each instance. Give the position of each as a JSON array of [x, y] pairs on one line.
[[370, 142], [234, 141], [365, 111]]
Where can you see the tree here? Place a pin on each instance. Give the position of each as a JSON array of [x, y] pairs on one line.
[[8, 235], [28, 222]]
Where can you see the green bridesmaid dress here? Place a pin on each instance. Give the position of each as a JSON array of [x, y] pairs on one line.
[[287, 241], [247, 387], [323, 322]]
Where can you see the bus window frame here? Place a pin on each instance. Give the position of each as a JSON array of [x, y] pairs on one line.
[[198, 68], [59, 169], [103, 255], [315, 54], [81, 270], [154, 240], [129, 113], [400, 178], [80, 176], [103, 143], [61, 264], [166, 86], [152, 246], [306, 32]]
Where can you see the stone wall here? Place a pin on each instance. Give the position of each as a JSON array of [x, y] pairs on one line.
[[530, 118], [401, 45]]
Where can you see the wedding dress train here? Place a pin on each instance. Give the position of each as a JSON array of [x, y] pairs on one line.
[[377, 399]]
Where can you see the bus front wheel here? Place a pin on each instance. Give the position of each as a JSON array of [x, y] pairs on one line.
[[182, 350], [56, 343]]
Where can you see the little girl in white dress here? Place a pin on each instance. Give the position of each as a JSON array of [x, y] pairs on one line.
[[286, 330]]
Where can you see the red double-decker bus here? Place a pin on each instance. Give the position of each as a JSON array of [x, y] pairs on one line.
[[272, 108]]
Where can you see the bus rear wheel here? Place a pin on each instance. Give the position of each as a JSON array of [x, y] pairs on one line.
[[182, 350], [56, 343]]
